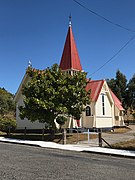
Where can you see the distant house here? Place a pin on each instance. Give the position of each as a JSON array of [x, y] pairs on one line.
[[105, 110]]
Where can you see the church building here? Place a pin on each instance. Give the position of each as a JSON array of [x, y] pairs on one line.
[[105, 109]]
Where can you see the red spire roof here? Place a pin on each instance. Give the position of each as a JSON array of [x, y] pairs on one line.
[[70, 58]]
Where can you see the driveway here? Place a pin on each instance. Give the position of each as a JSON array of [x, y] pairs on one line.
[[114, 137]]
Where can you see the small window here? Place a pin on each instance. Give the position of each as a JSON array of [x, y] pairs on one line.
[[88, 111]]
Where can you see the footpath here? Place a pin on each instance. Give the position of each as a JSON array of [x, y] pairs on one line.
[[72, 147]]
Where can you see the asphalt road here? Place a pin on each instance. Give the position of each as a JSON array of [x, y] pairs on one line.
[[20, 162]]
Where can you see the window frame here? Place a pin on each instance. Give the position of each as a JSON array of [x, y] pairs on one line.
[[88, 111]]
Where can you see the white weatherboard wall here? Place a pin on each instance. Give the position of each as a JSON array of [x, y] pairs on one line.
[[22, 123], [106, 120]]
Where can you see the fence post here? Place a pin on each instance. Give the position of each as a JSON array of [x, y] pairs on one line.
[[88, 135], [64, 136], [100, 137], [77, 136], [25, 133], [8, 131], [43, 132]]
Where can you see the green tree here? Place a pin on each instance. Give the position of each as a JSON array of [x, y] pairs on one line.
[[131, 93], [119, 87], [7, 104], [52, 92], [61, 120], [7, 111], [7, 123]]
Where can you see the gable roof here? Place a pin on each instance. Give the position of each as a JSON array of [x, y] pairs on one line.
[[24, 80], [117, 102], [70, 58], [95, 86]]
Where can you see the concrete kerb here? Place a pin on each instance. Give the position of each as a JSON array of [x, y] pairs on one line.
[[15, 141], [116, 153], [77, 147]]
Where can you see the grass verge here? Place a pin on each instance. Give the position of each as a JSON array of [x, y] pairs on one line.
[[71, 138], [120, 130], [126, 145]]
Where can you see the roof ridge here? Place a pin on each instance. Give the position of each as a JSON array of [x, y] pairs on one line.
[[97, 80]]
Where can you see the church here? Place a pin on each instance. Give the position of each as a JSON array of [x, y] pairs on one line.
[[105, 109]]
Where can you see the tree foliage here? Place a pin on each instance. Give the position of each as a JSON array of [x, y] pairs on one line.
[[6, 123], [7, 104], [119, 86], [61, 120], [52, 92], [7, 110], [131, 93], [123, 90]]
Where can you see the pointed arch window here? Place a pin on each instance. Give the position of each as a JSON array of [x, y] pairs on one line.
[[88, 111], [103, 104]]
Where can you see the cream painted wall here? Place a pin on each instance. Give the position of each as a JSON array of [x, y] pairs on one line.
[[106, 119], [22, 123], [104, 122], [119, 120], [108, 106], [99, 120], [89, 121]]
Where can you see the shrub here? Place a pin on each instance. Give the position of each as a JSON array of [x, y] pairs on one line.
[[61, 120], [6, 123]]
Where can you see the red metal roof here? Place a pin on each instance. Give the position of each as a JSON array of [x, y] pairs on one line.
[[95, 87], [70, 58], [117, 102]]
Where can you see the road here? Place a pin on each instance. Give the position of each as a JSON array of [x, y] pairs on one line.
[[20, 162]]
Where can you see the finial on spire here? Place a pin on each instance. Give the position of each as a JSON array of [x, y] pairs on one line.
[[29, 64], [70, 20]]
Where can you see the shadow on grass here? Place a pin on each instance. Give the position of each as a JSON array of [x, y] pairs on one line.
[[57, 138], [71, 138], [34, 137]]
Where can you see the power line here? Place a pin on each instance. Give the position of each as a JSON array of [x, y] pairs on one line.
[[102, 17], [131, 39]]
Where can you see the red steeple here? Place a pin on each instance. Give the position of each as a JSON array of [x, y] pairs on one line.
[[70, 59]]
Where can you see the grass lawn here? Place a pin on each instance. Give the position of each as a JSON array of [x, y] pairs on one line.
[[120, 130], [127, 145]]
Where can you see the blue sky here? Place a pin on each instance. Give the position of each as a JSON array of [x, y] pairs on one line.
[[35, 30]]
